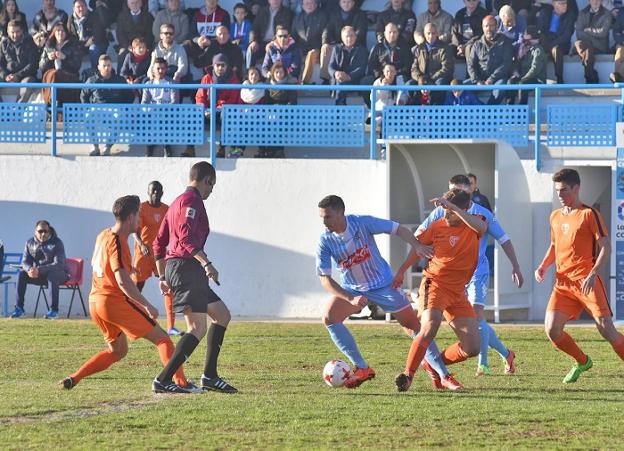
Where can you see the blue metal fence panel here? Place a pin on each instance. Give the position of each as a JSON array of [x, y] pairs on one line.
[[23, 122], [581, 125], [293, 125], [504, 122], [133, 124]]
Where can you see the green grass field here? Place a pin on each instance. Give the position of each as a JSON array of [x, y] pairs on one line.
[[283, 402]]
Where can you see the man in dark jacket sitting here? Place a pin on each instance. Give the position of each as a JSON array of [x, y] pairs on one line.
[[348, 63], [556, 26], [105, 95], [43, 263], [19, 59]]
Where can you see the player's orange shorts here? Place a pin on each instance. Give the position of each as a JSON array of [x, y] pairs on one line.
[[452, 301], [144, 268], [567, 297], [114, 316]]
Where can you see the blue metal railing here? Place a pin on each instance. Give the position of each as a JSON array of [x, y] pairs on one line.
[[538, 90]]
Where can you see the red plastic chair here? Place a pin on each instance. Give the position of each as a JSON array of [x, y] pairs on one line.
[[75, 267]]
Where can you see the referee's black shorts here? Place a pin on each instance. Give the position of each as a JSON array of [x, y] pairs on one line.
[[189, 284]]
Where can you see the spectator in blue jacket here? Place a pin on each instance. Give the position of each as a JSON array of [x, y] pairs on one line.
[[43, 263], [556, 27], [283, 49], [105, 74], [348, 62], [240, 28], [457, 97]]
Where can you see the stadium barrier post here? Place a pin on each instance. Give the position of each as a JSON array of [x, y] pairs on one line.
[[538, 126], [213, 125], [373, 125], [53, 118]]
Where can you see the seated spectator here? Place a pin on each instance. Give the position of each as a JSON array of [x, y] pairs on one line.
[[467, 27], [264, 28], [278, 75], [10, 11], [388, 51], [347, 14], [173, 14], [85, 27], [434, 64], [403, 18], [43, 263], [348, 63], [160, 96], [457, 97], [2, 278], [490, 61], [240, 28], [19, 60], [511, 26], [155, 6], [531, 66], [556, 26], [221, 73], [388, 98], [250, 96], [137, 62], [308, 28], [437, 16], [60, 63], [222, 44], [284, 49], [44, 21], [106, 10], [133, 22], [105, 74], [173, 54], [618, 38], [592, 36], [204, 25]]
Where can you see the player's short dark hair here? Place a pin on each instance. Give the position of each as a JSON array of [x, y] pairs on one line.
[[240, 6], [470, 175], [201, 170], [332, 201], [157, 184], [460, 179], [568, 176], [458, 197], [159, 60], [42, 221], [125, 206]]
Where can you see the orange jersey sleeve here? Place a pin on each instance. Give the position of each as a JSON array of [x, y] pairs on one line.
[[111, 253], [575, 236]]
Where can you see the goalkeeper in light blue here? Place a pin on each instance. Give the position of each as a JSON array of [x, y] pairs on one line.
[[477, 288]]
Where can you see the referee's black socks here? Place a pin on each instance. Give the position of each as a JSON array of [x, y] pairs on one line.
[[214, 341], [183, 351]]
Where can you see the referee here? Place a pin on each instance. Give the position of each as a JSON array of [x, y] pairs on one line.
[[184, 269]]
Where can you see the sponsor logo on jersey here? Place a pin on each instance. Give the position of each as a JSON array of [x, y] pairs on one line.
[[361, 255], [453, 240]]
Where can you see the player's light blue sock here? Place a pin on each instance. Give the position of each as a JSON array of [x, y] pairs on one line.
[[344, 341], [496, 344], [434, 358], [484, 336]]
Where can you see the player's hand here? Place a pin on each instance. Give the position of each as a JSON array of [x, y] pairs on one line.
[[516, 276], [397, 282], [588, 284], [212, 273], [152, 311], [359, 301], [424, 251], [539, 274], [145, 250], [442, 202], [164, 287]]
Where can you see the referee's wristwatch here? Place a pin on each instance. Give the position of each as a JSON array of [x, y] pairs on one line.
[[206, 265], [161, 278]]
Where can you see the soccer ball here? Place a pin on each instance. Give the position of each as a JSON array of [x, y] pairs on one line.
[[336, 372]]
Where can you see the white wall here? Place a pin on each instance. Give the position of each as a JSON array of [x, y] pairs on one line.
[[263, 217]]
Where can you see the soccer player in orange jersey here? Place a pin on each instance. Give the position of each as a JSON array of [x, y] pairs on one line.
[[455, 241], [579, 248], [116, 304], [151, 214]]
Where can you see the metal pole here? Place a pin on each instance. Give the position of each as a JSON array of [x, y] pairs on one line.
[[538, 126], [213, 125], [53, 120], [373, 125]]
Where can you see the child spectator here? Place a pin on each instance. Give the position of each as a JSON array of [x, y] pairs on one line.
[[278, 76], [160, 96], [241, 27], [250, 96], [457, 97], [386, 98], [137, 62]]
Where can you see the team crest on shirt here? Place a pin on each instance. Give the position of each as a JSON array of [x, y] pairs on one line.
[[565, 228], [453, 240], [190, 213], [157, 217]]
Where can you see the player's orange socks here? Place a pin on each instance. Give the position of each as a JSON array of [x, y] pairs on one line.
[[454, 354], [169, 310], [99, 362], [618, 346], [165, 349], [416, 354], [566, 344]]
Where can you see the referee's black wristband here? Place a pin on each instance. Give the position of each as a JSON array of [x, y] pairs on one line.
[[161, 278], [206, 264]]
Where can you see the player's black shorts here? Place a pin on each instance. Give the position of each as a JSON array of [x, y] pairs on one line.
[[189, 284]]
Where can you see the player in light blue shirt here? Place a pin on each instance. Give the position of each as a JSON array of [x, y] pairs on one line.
[[349, 243], [477, 288]]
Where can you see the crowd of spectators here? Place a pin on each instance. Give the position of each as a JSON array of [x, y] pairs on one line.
[[498, 41]]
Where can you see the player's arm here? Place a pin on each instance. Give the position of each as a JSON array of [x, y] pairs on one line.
[[130, 289], [211, 271], [516, 273], [474, 222], [549, 259], [145, 250], [334, 288], [604, 251], [159, 247], [421, 250], [423, 236]]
